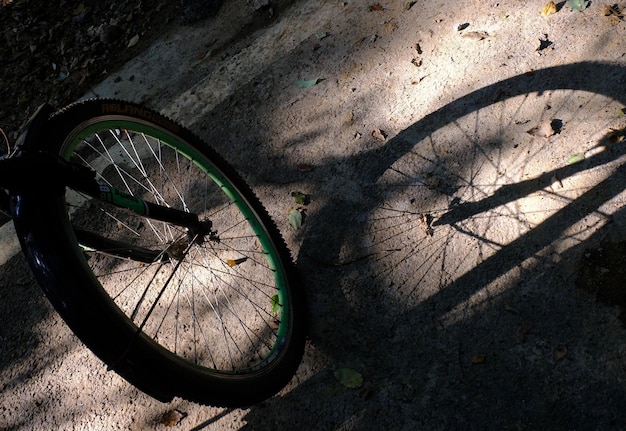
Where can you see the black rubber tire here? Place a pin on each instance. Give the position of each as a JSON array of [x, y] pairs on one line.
[[93, 312]]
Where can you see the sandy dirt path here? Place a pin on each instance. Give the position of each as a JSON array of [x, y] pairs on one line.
[[452, 258]]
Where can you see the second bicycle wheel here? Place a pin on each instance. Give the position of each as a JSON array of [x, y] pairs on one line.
[[214, 317]]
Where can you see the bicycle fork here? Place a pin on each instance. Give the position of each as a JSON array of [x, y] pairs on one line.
[[15, 177]]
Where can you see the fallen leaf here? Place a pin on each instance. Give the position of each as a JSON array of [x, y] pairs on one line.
[[479, 359], [560, 352], [616, 135], [308, 83], [556, 183], [322, 35], [303, 167], [349, 378], [275, 303], [426, 221], [578, 5], [545, 129], [375, 7], [613, 13], [476, 35], [391, 26], [300, 198], [133, 41], [379, 134], [295, 218], [235, 262], [172, 418], [511, 309], [408, 5], [548, 9], [608, 10], [575, 158], [521, 332]]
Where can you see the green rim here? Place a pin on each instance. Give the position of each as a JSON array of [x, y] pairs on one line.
[[185, 149]]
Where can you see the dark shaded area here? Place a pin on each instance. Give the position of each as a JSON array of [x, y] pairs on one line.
[[24, 307], [197, 10], [55, 52], [602, 272]]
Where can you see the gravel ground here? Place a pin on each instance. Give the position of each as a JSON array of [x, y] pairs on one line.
[[463, 245]]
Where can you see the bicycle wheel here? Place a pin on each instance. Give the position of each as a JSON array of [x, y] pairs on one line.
[[215, 318]]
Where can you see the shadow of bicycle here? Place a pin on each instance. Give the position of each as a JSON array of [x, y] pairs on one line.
[[450, 284]]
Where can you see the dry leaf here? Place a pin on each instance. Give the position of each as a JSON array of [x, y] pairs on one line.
[[548, 9], [511, 309], [235, 262], [476, 35], [348, 118], [478, 359], [556, 183], [379, 134], [376, 7], [614, 136], [391, 26], [426, 222], [545, 129], [133, 41], [612, 10], [303, 167], [613, 13], [522, 331], [172, 418], [560, 352]]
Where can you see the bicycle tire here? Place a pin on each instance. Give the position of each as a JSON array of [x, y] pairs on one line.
[[243, 336]]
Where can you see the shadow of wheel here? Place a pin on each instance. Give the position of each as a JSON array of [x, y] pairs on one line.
[[457, 203]]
